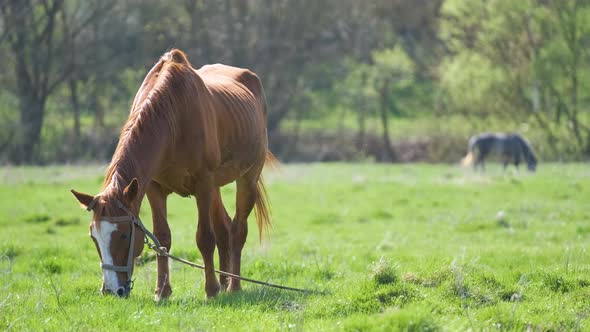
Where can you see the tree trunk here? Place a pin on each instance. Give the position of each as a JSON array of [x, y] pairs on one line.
[[31, 122], [551, 138], [384, 107], [200, 38], [98, 112], [362, 121], [231, 33], [292, 148], [574, 100], [362, 116], [75, 108], [280, 110]]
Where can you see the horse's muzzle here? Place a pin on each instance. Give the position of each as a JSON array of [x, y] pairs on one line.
[[119, 292]]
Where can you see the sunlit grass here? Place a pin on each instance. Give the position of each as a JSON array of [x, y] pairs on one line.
[[404, 247]]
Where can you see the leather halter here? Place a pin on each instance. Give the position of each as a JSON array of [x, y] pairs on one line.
[[134, 221]]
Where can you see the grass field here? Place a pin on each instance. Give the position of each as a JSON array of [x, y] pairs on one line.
[[404, 247]]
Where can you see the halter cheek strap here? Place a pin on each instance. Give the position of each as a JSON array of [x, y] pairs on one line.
[[128, 269], [134, 222]]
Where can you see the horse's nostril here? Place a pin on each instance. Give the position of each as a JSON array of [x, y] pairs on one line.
[[121, 291]]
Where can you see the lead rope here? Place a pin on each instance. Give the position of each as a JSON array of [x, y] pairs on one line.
[[231, 275], [162, 251]]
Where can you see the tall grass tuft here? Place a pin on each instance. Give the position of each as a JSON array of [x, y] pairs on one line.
[[383, 273]]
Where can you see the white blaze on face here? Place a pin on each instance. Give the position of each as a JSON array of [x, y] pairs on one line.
[[103, 239]]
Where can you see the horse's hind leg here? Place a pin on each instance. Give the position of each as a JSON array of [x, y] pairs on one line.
[[246, 194], [206, 238], [221, 226], [157, 198]]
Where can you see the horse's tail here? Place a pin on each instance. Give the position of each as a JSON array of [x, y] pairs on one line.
[[271, 160], [261, 204], [262, 208], [468, 159]]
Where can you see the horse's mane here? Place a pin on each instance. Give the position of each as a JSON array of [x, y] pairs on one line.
[[167, 87]]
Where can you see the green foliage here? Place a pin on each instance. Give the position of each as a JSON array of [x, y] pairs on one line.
[[468, 84], [393, 62], [337, 228]]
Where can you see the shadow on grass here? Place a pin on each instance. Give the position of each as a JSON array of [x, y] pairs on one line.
[[67, 221], [268, 298], [258, 296], [36, 218]]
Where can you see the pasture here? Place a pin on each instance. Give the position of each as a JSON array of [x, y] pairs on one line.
[[395, 247]]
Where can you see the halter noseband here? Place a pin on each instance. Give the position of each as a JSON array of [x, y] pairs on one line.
[[134, 221]]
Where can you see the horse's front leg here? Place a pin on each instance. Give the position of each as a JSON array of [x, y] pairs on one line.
[[206, 237], [157, 198]]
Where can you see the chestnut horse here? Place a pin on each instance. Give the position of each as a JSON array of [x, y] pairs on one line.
[[189, 132]]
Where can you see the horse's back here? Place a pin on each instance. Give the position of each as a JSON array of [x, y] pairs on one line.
[[238, 98], [223, 75], [504, 143], [240, 107]]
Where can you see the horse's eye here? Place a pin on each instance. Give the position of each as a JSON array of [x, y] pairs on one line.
[[124, 236]]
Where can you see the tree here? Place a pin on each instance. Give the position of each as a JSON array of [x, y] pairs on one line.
[[392, 70], [39, 47], [33, 46]]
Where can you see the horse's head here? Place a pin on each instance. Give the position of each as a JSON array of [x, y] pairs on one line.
[[117, 238], [532, 165], [531, 161]]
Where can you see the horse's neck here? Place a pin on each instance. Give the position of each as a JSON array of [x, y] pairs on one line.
[[141, 159]]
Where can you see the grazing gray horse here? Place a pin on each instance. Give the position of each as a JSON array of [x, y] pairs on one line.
[[513, 148]]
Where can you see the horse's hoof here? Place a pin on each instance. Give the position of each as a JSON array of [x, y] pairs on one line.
[[162, 294], [212, 290], [234, 287], [159, 299], [224, 283]]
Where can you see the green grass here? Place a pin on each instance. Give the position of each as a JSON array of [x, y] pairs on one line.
[[404, 247]]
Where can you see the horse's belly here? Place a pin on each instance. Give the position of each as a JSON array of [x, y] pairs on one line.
[[184, 183]]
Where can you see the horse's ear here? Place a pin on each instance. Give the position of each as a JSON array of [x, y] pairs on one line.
[[131, 190], [84, 199]]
